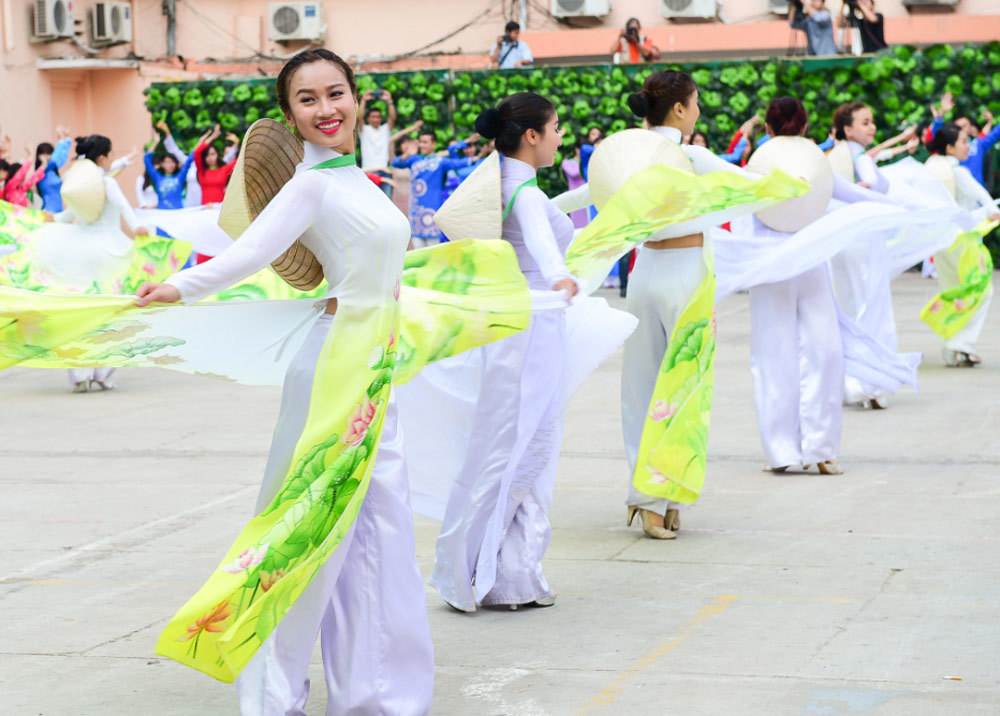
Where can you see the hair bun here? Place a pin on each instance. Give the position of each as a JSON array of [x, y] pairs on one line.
[[489, 123], [639, 105]]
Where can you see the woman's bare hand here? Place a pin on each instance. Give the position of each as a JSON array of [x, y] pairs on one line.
[[157, 293], [568, 285]]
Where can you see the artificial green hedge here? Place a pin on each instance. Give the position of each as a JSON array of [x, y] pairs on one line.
[[899, 83]]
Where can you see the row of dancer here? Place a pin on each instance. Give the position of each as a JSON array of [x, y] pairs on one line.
[[357, 584]]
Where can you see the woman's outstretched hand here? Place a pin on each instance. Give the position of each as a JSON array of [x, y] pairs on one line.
[[568, 285], [157, 293]]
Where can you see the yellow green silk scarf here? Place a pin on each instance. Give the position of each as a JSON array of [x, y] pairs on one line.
[[451, 298], [674, 445], [950, 310], [154, 257]]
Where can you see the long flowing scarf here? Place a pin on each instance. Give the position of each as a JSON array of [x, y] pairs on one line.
[[674, 445], [453, 297], [950, 310]]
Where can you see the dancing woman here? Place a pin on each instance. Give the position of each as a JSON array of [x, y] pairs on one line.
[[496, 529], [951, 143], [364, 595]]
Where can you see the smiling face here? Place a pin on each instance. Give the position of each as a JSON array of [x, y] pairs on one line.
[[862, 127], [322, 106], [426, 143], [169, 164]]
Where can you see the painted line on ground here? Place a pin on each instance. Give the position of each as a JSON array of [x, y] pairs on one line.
[[612, 691]]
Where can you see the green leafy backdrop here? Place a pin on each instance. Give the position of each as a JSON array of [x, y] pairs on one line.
[[899, 83]]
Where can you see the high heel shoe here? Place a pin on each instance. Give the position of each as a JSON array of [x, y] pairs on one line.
[[672, 520], [652, 530], [829, 467]]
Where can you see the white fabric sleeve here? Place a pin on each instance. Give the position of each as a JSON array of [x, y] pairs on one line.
[[139, 198], [531, 213], [704, 161], [283, 220], [170, 144], [867, 172], [850, 193], [574, 199], [118, 164], [230, 153], [966, 185], [117, 197], [64, 217]]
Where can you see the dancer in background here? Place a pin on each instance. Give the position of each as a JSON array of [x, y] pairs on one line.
[[496, 529], [56, 157], [968, 309], [20, 182]]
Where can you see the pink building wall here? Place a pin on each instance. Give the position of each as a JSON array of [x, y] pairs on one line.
[[46, 84]]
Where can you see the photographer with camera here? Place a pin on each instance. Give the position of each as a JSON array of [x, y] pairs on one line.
[[509, 52], [631, 46], [812, 17], [866, 26]]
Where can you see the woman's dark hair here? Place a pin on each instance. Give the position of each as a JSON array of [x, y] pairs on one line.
[[43, 148], [844, 117], [514, 116], [147, 181], [304, 58], [699, 133], [204, 155], [945, 137], [786, 117], [93, 146], [4, 166], [659, 93], [14, 168]]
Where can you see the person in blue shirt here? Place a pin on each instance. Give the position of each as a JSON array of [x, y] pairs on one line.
[[51, 183], [457, 150], [979, 146], [168, 181], [427, 173]]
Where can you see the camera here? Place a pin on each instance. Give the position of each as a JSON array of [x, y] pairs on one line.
[[508, 39], [376, 94], [632, 33]]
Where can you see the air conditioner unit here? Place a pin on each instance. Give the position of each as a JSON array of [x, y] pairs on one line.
[[111, 23], [581, 8], [930, 3], [778, 7], [687, 8], [295, 21], [52, 19]]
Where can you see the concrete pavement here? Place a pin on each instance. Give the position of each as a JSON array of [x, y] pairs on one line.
[[791, 594]]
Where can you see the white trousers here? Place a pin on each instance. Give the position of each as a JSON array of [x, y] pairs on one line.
[[496, 528], [947, 274], [366, 603], [797, 362], [660, 286], [80, 375]]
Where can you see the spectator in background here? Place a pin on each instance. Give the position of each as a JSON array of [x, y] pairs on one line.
[[867, 25], [510, 53], [469, 148], [376, 136], [427, 173], [573, 172], [812, 17], [698, 139], [632, 46], [980, 141]]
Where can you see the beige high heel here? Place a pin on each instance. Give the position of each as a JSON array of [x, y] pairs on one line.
[[652, 530], [829, 467], [672, 520]]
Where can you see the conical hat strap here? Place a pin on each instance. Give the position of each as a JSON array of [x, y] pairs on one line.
[[510, 204], [348, 160]]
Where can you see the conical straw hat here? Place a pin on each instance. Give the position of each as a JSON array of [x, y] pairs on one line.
[[267, 162], [842, 161], [802, 159], [624, 154], [82, 190], [474, 210], [942, 171]]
